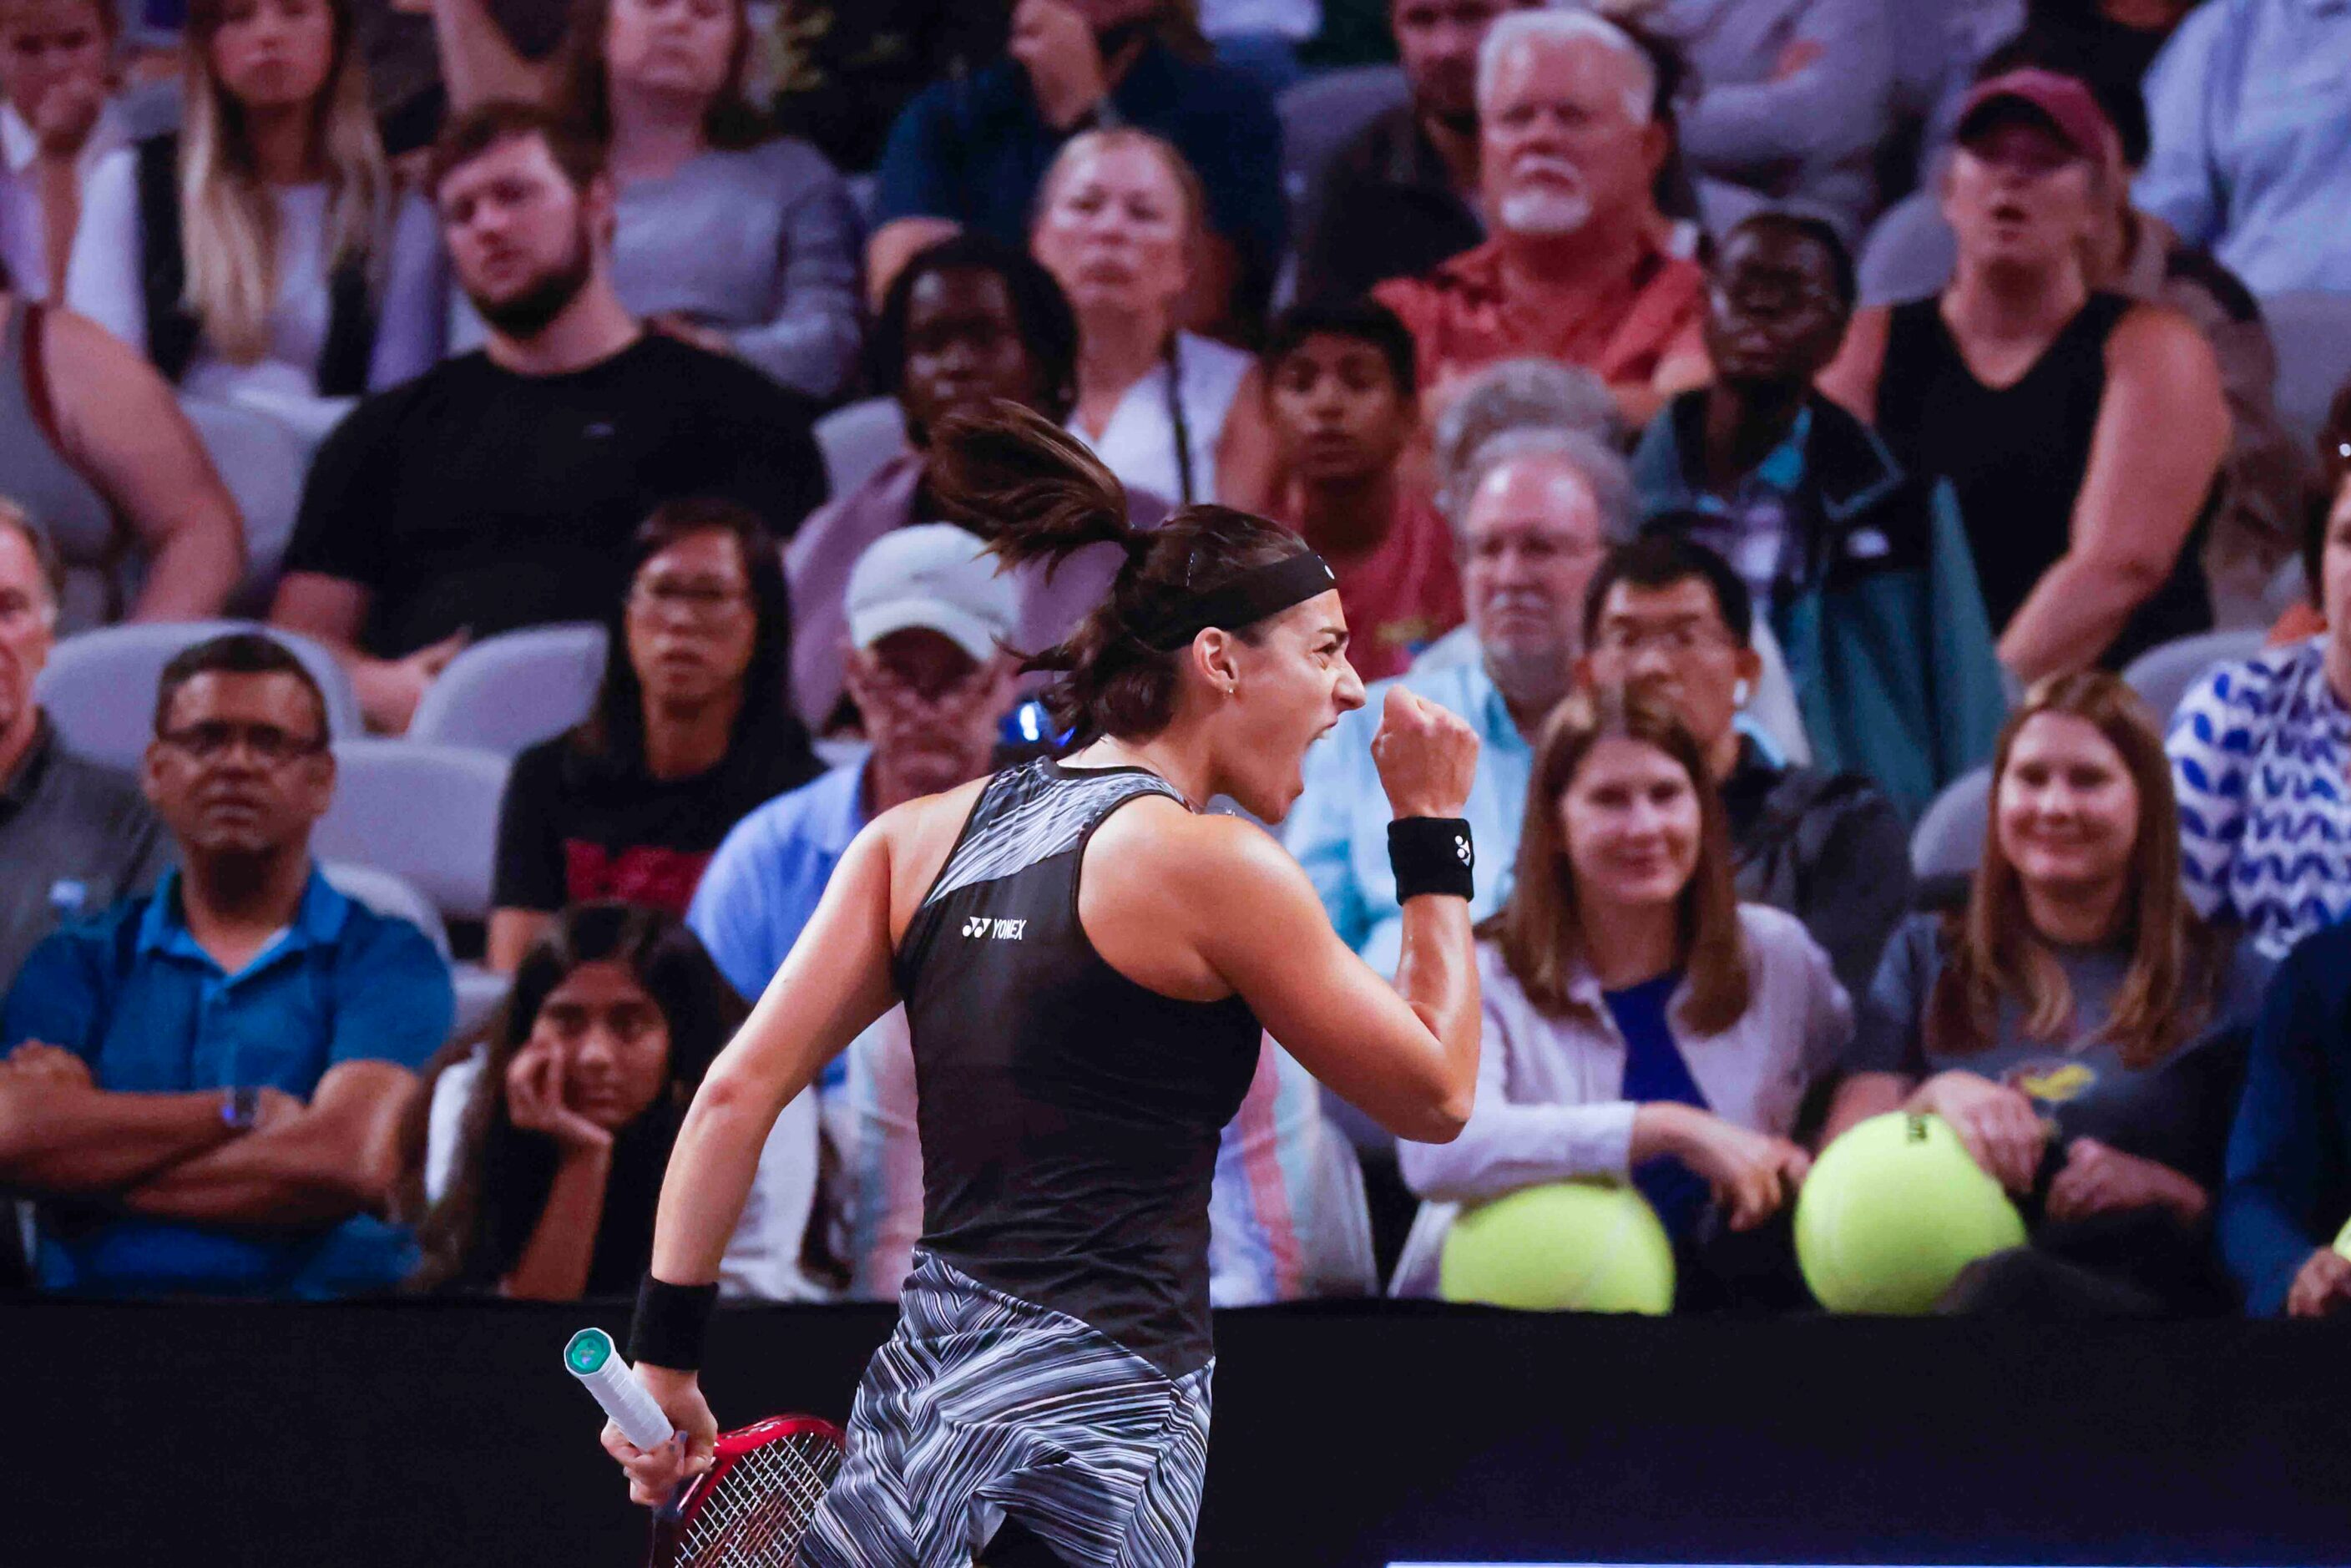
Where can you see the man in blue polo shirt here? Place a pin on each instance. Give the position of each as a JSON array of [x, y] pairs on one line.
[[206, 1085]]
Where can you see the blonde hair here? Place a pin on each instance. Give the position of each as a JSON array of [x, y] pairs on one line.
[[228, 220], [1125, 138]]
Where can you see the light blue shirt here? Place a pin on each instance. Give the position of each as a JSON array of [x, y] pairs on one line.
[[2251, 151], [1338, 829], [762, 886]]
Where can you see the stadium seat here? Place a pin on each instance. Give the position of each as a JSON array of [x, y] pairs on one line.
[[1910, 250], [389, 897], [428, 814], [2313, 334], [1949, 840], [507, 693], [857, 439], [263, 463], [2162, 675], [479, 990], [100, 685]]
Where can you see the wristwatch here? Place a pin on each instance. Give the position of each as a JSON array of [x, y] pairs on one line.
[[240, 1108]]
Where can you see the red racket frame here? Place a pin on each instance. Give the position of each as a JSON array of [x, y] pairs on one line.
[[674, 1518]]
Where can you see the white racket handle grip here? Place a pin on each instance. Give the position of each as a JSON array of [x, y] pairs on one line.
[[591, 1358]]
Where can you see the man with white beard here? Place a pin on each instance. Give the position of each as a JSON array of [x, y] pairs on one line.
[[1535, 510], [1569, 146]]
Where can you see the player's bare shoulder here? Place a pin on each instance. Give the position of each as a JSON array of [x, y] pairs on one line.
[[1157, 845], [918, 837]]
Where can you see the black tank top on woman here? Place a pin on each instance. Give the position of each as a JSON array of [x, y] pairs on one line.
[[1069, 1116], [2016, 456]]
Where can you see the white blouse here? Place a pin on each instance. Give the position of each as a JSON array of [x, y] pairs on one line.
[[1550, 1103], [103, 282], [1138, 444]]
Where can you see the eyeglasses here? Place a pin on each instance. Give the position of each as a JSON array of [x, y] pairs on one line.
[[704, 602], [895, 692], [1627, 639], [211, 739]]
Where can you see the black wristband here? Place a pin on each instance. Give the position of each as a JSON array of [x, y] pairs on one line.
[[671, 1322], [1431, 854]]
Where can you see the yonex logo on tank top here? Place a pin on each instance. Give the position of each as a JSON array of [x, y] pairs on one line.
[[1003, 930]]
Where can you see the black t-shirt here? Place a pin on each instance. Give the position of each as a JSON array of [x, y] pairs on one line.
[[574, 828], [475, 498], [1829, 849]]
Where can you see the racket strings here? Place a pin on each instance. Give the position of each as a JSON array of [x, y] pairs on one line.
[[755, 1514]]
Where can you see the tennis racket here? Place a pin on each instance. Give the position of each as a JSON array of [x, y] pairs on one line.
[[749, 1508]]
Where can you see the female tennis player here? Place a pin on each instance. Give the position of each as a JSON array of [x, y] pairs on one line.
[[1086, 958]]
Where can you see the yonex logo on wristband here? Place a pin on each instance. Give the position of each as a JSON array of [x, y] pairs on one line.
[[1461, 847], [1003, 930]]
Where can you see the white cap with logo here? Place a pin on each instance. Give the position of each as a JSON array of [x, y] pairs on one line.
[[938, 577]]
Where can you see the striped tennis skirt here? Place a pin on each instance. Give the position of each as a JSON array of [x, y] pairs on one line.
[[983, 1405]]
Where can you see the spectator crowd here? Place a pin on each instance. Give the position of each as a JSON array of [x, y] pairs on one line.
[[1876, 476]]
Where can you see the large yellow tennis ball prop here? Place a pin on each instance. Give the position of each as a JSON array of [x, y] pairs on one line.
[[1577, 1246], [1891, 1213], [2343, 1239]]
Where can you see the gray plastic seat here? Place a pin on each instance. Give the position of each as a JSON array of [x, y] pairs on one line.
[[389, 895], [2313, 334], [2162, 675], [507, 693], [264, 463], [1949, 839], [98, 686], [428, 814], [478, 990], [857, 439]]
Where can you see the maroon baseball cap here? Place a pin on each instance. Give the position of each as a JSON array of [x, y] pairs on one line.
[[2061, 102]]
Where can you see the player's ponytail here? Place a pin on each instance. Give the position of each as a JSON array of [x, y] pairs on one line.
[[1037, 493]]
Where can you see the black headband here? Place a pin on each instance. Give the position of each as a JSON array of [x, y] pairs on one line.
[[1260, 591]]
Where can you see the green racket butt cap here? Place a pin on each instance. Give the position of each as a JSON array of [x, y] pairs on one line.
[[589, 1350]]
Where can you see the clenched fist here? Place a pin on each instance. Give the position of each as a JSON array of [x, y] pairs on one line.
[[1427, 756]]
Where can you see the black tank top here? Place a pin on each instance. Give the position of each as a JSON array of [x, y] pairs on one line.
[[2016, 456], [1069, 1116]]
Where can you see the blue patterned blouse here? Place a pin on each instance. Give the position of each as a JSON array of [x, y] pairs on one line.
[[2260, 755]]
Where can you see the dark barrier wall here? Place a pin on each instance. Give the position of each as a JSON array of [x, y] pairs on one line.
[[343, 1436]]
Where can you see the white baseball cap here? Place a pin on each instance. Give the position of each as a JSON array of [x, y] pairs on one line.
[[938, 577]]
